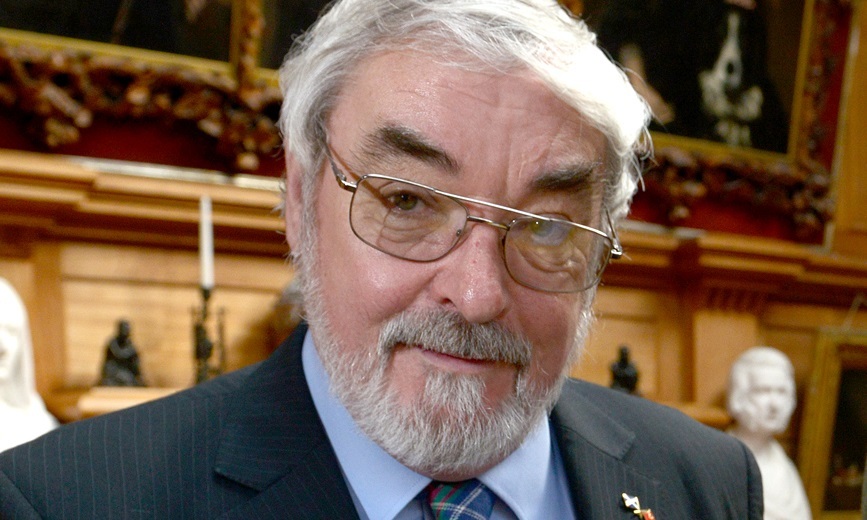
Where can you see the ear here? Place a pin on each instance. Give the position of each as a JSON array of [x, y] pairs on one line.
[[292, 202]]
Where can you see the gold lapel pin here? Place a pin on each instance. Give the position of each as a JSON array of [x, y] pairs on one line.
[[632, 503]]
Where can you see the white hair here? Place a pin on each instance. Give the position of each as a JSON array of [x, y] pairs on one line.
[[504, 35]]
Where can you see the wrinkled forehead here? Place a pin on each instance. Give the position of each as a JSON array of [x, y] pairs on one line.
[[458, 97]]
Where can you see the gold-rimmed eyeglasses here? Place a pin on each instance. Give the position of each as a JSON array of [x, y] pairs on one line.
[[412, 221]]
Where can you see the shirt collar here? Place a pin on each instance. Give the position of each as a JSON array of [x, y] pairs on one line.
[[382, 486]]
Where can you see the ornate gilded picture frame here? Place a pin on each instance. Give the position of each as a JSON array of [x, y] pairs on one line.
[[833, 436]]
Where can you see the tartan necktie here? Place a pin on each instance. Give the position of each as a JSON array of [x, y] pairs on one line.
[[467, 500]]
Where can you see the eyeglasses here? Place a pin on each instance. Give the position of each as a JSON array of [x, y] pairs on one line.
[[416, 222]]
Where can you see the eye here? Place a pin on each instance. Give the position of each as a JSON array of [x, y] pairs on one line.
[[406, 198], [547, 232], [404, 201]]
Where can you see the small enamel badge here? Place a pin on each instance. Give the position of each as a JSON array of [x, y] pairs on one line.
[[631, 503]]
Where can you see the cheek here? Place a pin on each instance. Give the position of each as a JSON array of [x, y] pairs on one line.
[[552, 329], [361, 286]]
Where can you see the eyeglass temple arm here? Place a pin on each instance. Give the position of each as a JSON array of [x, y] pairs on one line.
[[616, 247], [339, 175]]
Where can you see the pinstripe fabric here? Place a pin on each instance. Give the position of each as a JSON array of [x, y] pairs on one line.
[[612, 443], [247, 445], [250, 445]]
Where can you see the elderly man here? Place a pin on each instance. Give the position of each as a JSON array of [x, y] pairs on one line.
[[761, 399], [454, 170]]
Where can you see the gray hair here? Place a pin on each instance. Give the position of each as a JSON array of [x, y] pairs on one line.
[[504, 35]]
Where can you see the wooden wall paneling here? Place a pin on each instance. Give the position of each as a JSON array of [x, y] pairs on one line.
[[162, 322], [64, 198], [719, 337], [676, 374], [795, 329], [849, 233], [157, 291], [642, 321], [19, 273], [810, 317], [726, 281], [48, 326]]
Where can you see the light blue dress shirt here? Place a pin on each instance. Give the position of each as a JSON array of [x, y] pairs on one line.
[[530, 483]]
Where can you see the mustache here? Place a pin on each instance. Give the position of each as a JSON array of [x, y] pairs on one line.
[[449, 333]]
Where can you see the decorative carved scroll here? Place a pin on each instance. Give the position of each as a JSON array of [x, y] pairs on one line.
[[59, 92], [680, 178]]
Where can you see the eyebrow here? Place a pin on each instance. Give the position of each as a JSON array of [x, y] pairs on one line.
[[391, 141], [575, 177], [395, 141]]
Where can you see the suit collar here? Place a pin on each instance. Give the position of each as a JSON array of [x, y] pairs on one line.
[[595, 450], [274, 442]]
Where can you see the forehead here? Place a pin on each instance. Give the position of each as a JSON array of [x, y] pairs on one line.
[[768, 375], [510, 122]]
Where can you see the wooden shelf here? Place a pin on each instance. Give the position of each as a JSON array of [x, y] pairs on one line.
[[105, 399]]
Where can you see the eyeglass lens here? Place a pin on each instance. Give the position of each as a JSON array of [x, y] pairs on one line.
[[415, 223]]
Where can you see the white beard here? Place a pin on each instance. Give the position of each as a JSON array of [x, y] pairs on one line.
[[448, 428]]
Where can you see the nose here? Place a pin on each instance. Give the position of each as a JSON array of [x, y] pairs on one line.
[[473, 278]]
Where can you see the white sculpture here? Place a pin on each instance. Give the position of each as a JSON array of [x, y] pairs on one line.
[[22, 413], [761, 399]]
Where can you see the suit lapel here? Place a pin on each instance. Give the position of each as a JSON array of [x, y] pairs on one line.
[[595, 448], [314, 490], [274, 443]]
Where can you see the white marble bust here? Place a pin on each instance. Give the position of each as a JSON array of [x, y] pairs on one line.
[[22, 413], [761, 399]]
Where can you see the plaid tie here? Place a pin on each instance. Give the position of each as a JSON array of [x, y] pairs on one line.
[[467, 500]]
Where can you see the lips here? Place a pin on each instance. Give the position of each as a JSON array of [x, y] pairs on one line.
[[454, 363]]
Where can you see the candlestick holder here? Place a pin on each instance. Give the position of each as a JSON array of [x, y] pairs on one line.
[[203, 346]]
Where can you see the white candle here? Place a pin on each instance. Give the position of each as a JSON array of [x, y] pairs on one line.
[[206, 243]]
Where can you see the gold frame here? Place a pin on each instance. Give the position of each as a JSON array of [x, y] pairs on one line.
[[836, 351], [794, 187]]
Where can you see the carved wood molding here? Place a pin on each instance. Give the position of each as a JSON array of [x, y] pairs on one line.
[[727, 272], [798, 192], [51, 197], [58, 92]]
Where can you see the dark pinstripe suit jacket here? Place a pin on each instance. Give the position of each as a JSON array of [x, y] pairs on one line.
[[250, 445]]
